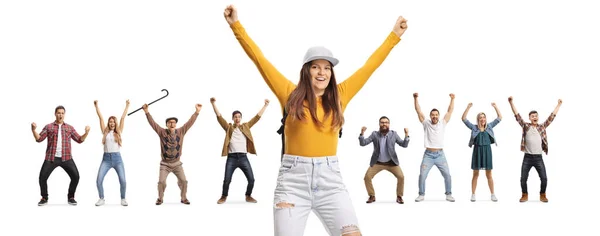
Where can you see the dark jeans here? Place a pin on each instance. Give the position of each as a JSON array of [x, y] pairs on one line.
[[69, 167], [234, 161], [533, 160]]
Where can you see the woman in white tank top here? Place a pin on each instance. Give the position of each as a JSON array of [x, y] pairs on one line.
[[111, 138]]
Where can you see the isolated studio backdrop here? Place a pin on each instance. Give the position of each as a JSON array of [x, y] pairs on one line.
[[71, 53]]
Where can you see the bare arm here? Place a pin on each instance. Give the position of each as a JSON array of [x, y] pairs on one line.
[[450, 109], [262, 110], [38, 137], [122, 122], [557, 107], [497, 111], [259, 115], [102, 125], [220, 118], [464, 116], [418, 108], [512, 106]]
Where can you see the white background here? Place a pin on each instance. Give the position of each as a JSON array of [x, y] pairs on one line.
[[73, 52]]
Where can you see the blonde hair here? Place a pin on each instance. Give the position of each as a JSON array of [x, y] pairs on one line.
[[481, 113], [115, 132]]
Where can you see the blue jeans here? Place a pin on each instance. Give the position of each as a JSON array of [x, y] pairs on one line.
[[234, 161], [111, 160], [438, 159]]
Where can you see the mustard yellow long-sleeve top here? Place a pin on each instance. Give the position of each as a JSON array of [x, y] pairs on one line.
[[305, 138]]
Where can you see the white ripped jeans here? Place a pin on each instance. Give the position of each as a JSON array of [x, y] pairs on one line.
[[312, 184]]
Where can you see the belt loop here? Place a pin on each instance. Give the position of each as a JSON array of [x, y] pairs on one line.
[[296, 161], [328, 163]]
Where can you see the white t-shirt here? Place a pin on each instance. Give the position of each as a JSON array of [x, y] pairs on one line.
[[533, 141], [434, 134], [58, 152], [111, 144], [237, 142]]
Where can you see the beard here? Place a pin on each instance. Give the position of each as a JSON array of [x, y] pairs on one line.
[[383, 130]]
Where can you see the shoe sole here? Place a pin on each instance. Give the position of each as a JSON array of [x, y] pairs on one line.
[[42, 204]]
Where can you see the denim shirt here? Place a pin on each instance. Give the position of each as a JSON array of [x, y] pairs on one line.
[[475, 130]]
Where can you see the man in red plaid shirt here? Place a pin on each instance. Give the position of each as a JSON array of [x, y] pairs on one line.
[[58, 152]]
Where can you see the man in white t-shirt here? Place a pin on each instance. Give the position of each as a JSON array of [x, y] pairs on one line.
[[434, 129]]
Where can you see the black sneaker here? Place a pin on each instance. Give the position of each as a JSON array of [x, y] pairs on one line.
[[43, 202], [72, 202]]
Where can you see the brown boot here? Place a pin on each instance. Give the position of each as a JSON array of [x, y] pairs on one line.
[[524, 198], [543, 197], [399, 200], [371, 199], [222, 200], [250, 199]]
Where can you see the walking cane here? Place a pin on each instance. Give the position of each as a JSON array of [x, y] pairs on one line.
[[153, 101]]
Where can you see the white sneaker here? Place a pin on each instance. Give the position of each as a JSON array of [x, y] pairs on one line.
[[473, 197], [494, 199], [124, 202], [100, 202], [449, 198], [420, 198]]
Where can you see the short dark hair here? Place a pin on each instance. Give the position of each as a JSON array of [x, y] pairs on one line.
[[236, 112], [533, 112], [383, 117], [434, 109], [58, 108], [171, 118]]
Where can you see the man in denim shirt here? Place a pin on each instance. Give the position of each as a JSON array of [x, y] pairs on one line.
[[534, 142]]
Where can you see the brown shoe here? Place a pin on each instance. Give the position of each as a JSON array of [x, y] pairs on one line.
[[371, 199], [222, 200], [524, 198], [250, 199], [159, 201], [543, 197], [399, 200], [185, 201]]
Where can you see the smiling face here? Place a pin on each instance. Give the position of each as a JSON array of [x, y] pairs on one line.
[[384, 125], [533, 117], [481, 119], [320, 73], [237, 117], [112, 123], [435, 116]]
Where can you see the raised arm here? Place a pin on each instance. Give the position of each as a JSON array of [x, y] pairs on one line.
[[122, 122], [102, 125], [38, 137], [512, 106], [497, 111], [557, 107], [80, 138], [191, 121], [356, 81], [259, 115], [403, 142], [450, 109], [418, 108], [220, 118], [151, 121], [464, 116], [361, 138], [553, 114], [278, 84]]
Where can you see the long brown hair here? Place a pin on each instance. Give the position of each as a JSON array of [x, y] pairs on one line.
[[116, 132], [304, 92]]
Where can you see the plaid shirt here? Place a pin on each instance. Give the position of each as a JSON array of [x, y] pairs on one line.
[[540, 128], [50, 131]]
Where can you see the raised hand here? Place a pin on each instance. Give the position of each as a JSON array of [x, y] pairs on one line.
[[559, 101], [493, 104], [87, 128], [470, 105], [510, 99], [127, 102], [33, 126], [230, 14], [213, 100], [406, 131], [198, 107], [363, 129], [400, 26], [451, 96], [415, 95], [266, 102], [145, 107]]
